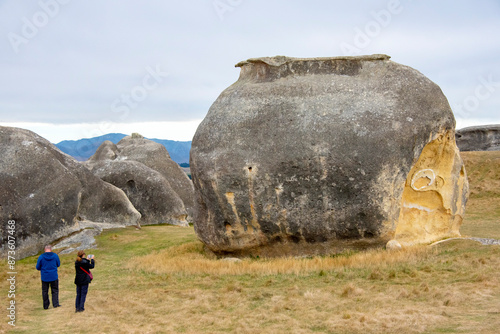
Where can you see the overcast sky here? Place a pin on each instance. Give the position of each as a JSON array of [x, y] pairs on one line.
[[76, 69]]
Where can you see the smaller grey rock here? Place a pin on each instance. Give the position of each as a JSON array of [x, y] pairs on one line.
[[393, 245], [107, 151], [84, 238], [479, 138], [153, 155], [485, 241], [147, 189], [231, 259]]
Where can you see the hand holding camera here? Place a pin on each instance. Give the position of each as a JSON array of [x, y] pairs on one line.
[[90, 256]]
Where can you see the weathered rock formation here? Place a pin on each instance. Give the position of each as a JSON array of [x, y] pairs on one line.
[[316, 155], [106, 151], [50, 195], [479, 138], [154, 156], [147, 189]]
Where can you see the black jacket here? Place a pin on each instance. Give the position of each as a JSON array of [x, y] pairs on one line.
[[81, 277]]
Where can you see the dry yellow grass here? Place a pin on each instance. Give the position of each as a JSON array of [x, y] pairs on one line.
[[483, 208], [190, 259], [483, 171]]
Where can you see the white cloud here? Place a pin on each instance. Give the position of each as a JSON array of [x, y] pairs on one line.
[[466, 122]]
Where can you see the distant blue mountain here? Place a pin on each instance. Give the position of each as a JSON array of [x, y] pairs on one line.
[[178, 150], [83, 149]]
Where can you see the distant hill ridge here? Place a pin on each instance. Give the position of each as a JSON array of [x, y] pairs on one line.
[[83, 149]]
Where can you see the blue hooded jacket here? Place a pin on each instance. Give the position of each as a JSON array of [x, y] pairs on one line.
[[47, 264]]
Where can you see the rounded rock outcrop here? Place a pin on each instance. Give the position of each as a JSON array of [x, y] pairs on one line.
[[50, 195], [479, 138], [149, 192], [322, 154], [155, 156], [106, 151]]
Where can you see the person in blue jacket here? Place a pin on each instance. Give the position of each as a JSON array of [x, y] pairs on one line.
[[47, 264]]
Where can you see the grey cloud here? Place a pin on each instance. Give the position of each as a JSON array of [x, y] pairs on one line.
[[93, 52]]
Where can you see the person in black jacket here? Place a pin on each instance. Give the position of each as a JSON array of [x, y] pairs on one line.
[[82, 279]]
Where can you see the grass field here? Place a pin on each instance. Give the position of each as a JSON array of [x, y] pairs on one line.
[[159, 280]]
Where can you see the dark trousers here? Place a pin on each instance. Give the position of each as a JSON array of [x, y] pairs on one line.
[[54, 288], [81, 295]]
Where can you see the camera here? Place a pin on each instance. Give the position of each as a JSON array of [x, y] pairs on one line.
[[90, 256]]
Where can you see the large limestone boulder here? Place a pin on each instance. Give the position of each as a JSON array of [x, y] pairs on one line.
[[147, 189], [479, 138], [50, 195], [316, 155], [154, 156]]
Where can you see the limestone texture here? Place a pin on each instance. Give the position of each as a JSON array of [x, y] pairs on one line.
[[322, 154], [479, 138], [50, 195], [147, 189]]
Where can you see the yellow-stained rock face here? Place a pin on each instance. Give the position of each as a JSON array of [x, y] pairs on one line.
[[435, 194]]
